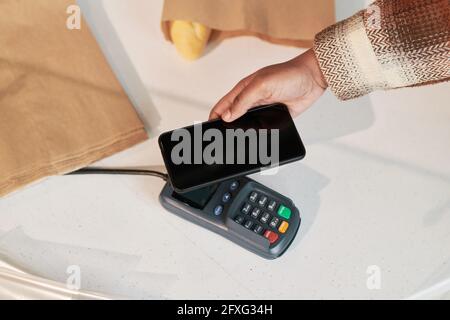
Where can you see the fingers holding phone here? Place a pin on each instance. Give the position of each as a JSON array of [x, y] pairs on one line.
[[297, 83]]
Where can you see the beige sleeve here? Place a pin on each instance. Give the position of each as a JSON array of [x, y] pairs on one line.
[[391, 44]]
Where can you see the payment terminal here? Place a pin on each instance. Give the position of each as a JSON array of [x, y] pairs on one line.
[[242, 210]]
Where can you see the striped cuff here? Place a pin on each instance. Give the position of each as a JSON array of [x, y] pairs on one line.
[[408, 47], [347, 59]]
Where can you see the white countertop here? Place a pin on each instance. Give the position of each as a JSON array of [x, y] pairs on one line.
[[374, 188]]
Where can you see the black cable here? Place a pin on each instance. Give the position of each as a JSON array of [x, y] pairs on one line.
[[135, 172]]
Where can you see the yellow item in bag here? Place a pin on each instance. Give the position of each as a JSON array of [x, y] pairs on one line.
[[190, 38]]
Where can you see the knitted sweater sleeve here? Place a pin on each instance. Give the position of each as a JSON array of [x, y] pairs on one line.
[[391, 44]]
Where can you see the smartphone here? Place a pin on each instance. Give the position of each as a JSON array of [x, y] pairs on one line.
[[214, 151]]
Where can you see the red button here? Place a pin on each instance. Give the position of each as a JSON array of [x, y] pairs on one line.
[[271, 236]]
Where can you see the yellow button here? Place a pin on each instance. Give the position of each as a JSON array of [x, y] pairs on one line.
[[283, 227]]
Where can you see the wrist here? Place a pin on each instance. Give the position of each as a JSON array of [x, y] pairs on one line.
[[308, 62]]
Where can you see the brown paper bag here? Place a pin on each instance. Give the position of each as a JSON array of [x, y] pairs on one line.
[[288, 22], [61, 107]]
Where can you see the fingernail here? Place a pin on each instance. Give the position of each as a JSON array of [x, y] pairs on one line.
[[227, 115]]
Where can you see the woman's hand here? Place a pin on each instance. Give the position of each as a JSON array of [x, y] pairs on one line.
[[298, 83]]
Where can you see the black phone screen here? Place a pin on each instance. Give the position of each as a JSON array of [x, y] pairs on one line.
[[213, 151]]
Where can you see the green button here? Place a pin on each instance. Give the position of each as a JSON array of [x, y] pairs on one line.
[[284, 212]]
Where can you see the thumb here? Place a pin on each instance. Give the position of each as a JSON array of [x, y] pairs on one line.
[[226, 102], [250, 96]]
